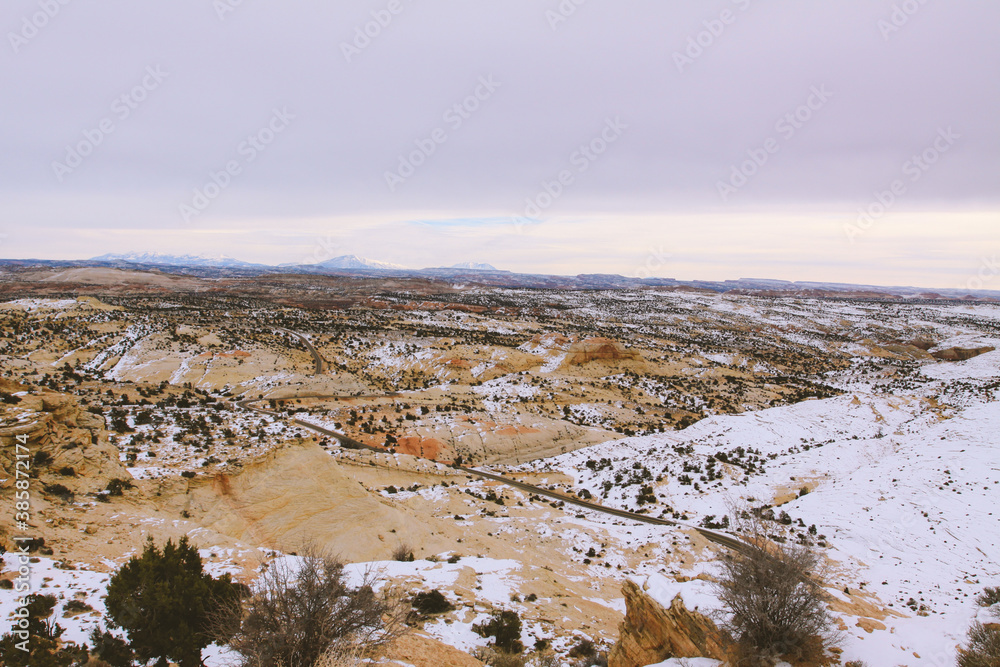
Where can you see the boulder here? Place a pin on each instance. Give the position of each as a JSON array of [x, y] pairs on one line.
[[651, 634]]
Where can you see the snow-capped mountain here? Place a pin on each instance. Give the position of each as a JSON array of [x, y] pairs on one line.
[[473, 266], [356, 262], [171, 260]]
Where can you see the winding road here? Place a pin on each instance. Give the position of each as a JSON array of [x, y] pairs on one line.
[[722, 539], [321, 365]]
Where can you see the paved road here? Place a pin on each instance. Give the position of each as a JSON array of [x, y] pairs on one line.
[[321, 365], [711, 535]]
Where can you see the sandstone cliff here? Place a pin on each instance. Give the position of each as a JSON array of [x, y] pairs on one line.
[[60, 434], [651, 634]]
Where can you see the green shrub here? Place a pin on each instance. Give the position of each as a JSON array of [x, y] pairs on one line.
[[431, 602], [43, 646], [77, 606], [117, 486], [165, 602], [112, 650], [60, 491], [505, 627]]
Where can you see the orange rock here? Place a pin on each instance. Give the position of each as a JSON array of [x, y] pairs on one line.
[[414, 445], [960, 353], [870, 625], [651, 634], [598, 349]]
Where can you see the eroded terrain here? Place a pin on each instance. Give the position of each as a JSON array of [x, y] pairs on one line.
[[854, 423]]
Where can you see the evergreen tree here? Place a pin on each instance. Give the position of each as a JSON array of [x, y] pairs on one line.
[[165, 603]]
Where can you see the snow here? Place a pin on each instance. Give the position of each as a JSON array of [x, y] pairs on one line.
[[43, 304], [696, 594], [902, 487], [49, 578], [553, 363], [981, 367], [497, 582]]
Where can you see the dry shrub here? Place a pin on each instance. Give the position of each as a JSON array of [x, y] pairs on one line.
[[544, 658], [299, 616], [983, 649], [776, 607], [494, 658], [403, 553], [343, 656], [989, 597]]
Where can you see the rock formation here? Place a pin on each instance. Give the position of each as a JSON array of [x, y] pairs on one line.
[[59, 435], [296, 496], [598, 349], [651, 634], [961, 353]]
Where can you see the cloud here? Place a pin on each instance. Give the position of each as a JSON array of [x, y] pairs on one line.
[[750, 86]]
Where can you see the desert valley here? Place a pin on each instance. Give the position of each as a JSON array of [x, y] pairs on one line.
[[372, 417]]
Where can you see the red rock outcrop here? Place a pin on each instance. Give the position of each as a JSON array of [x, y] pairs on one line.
[[598, 349], [651, 634]]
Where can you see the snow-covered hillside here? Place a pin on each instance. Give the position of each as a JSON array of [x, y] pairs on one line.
[[902, 490]]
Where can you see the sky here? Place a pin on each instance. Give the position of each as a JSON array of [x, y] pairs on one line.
[[849, 141]]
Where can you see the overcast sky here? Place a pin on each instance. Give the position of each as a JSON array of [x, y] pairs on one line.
[[852, 141]]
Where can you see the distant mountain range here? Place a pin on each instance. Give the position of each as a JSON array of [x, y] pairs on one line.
[[473, 266], [161, 259], [356, 262], [222, 261], [475, 273]]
